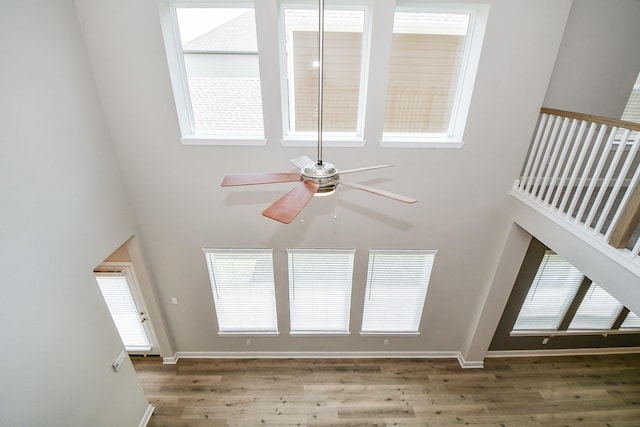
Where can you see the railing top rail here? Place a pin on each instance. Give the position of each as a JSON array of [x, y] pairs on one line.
[[591, 118]]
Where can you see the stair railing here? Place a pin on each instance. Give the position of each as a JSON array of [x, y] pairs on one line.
[[586, 170]]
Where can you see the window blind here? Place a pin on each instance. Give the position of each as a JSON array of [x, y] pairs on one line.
[[122, 307], [397, 283], [320, 290], [243, 290], [598, 310], [631, 111], [632, 321], [553, 288]]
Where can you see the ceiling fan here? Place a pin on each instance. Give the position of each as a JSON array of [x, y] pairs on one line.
[[314, 178]]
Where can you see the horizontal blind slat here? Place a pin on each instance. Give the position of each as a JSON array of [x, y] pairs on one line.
[[397, 284], [243, 289], [320, 290]]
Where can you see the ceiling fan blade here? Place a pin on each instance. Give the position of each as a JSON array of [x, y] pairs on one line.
[[366, 168], [301, 162], [259, 178], [379, 192], [289, 206]]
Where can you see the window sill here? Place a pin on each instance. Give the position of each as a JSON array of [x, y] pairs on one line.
[[245, 334], [327, 141], [418, 141], [223, 140], [603, 332], [410, 334], [315, 333]]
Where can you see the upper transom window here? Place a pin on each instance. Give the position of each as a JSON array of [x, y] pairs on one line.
[[432, 68], [401, 72], [219, 74], [343, 41]]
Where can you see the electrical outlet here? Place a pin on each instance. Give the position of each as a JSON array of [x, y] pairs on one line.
[[385, 342], [174, 301], [546, 340], [247, 342]]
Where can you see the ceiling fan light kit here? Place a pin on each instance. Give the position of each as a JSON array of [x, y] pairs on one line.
[[317, 178]]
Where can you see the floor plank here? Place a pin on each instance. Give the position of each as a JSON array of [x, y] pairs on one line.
[[553, 391]]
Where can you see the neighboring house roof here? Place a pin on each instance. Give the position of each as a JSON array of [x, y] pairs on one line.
[[226, 104], [237, 35]]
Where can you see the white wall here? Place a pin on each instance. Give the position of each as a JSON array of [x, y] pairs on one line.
[[63, 211], [599, 59], [462, 193]]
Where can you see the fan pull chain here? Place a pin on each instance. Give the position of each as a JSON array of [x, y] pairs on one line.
[[302, 216], [335, 211]]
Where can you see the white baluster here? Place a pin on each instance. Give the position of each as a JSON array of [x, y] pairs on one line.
[[585, 175], [578, 164], [526, 176], [629, 191]]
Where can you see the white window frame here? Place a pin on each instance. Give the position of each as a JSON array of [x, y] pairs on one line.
[[468, 69], [294, 287], [421, 294], [177, 73], [226, 330], [329, 139]]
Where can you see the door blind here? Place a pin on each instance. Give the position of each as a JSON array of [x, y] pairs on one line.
[[122, 307]]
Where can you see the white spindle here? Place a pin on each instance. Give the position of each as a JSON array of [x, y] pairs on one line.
[[547, 183], [560, 166], [602, 189], [617, 183], [568, 166], [636, 248], [526, 176], [630, 188], [543, 166], [580, 143], [585, 173]]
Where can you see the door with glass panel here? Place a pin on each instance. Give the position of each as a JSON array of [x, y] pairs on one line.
[[119, 288]]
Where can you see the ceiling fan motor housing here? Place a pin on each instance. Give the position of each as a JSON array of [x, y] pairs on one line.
[[325, 174]]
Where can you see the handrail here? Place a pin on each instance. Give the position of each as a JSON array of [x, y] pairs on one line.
[[591, 118]]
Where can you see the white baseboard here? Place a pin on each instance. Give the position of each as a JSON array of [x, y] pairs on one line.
[[170, 360], [563, 352], [465, 364], [469, 364], [322, 355], [147, 416]]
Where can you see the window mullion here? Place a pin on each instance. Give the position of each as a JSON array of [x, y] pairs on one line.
[[271, 50], [379, 34], [621, 318], [575, 304]]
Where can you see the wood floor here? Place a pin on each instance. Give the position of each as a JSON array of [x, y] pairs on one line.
[[549, 391]]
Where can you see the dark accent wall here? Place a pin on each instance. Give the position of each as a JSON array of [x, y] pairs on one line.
[[502, 340]]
